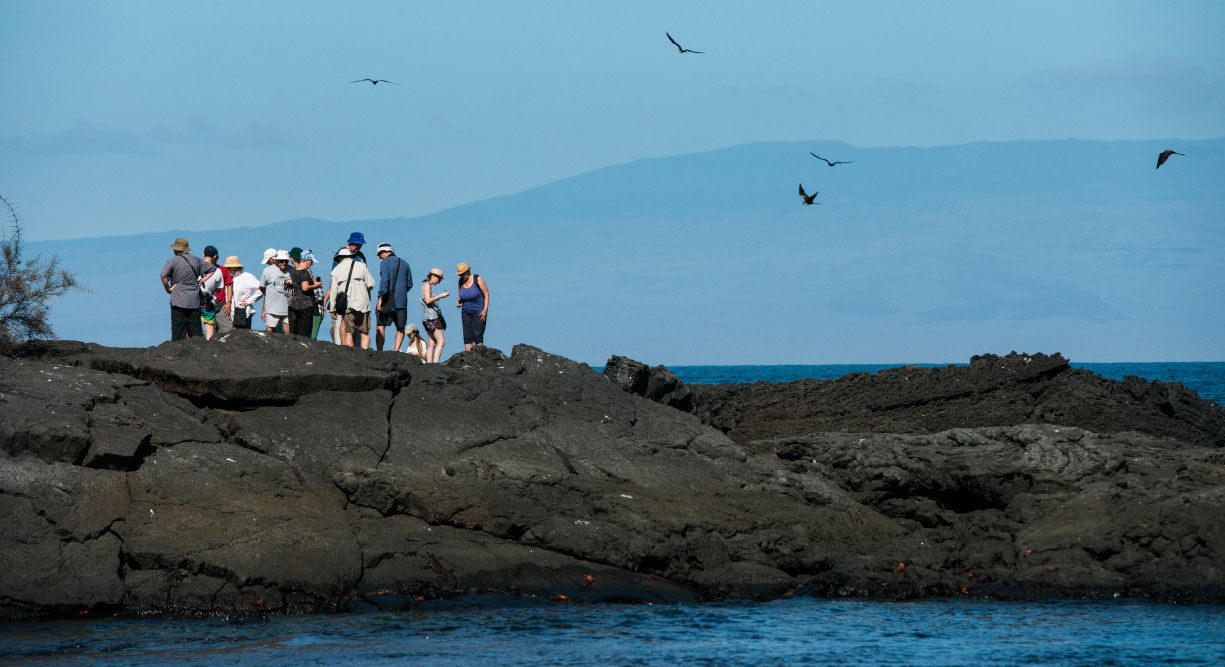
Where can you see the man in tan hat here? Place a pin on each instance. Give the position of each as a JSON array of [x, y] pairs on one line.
[[181, 278]]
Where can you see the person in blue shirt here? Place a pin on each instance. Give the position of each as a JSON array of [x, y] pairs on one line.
[[395, 279]]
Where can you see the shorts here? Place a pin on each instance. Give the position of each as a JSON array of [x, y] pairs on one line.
[[357, 323], [399, 317], [437, 324], [474, 329], [277, 322], [208, 316]]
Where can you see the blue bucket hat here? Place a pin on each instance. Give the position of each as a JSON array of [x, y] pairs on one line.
[[356, 237]]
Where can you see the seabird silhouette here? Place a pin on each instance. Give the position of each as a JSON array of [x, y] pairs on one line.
[[1165, 155], [678, 46], [808, 198], [375, 82], [827, 161]]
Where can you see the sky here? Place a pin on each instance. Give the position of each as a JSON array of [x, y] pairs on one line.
[[125, 117]]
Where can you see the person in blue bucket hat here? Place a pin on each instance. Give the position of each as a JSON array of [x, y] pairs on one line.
[[354, 244]]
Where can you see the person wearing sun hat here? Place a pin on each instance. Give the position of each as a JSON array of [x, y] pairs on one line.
[[353, 279], [246, 292], [302, 293], [338, 325], [473, 302], [431, 315], [181, 277], [395, 279], [275, 284]]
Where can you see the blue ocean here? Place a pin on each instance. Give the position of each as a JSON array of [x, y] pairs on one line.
[[514, 631]]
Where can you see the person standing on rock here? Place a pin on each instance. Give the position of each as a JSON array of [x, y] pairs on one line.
[[352, 281], [246, 292], [302, 293], [181, 278], [431, 315], [275, 285], [395, 279], [221, 285], [473, 303]]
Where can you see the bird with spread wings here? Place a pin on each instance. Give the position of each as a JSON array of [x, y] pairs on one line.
[[827, 161], [679, 47]]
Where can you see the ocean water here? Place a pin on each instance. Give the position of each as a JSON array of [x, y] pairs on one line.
[[514, 631], [792, 632]]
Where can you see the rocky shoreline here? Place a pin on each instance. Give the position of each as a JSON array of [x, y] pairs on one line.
[[266, 473]]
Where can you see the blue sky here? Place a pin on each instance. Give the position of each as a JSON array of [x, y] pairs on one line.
[[125, 117]]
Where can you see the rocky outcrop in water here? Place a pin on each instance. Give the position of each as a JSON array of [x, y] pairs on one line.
[[265, 473]]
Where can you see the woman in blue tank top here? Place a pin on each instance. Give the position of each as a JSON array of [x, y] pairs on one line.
[[473, 303]]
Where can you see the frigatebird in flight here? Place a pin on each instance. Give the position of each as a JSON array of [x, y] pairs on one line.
[[679, 47], [1165, 155], [808, 198], [375, 82], [827, 161]]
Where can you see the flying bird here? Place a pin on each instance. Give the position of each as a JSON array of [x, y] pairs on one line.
[[808, 198], [1165, 155], [827, 161], [375, 82], [678, 46]]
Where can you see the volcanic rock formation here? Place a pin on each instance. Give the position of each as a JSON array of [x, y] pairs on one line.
[[271, 473]]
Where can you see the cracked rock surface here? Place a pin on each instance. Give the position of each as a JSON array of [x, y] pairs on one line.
[[270, 473]]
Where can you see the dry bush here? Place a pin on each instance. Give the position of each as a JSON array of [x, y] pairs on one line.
[[26, 287]]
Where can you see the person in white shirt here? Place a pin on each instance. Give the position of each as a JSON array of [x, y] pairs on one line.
[[246, 293], [416, 344], [352, 279]]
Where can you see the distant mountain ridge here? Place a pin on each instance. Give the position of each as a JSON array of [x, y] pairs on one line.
[[925, 254]]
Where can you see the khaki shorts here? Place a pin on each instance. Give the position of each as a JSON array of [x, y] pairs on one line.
[[357, 323]]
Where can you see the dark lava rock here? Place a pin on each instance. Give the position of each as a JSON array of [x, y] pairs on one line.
[[656, 384], [991, 391], [262, 473]]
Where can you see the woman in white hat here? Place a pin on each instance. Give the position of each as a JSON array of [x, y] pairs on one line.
[[246, 292], [431, 315]]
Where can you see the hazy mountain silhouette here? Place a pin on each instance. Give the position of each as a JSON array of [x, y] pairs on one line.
[[917, 254]]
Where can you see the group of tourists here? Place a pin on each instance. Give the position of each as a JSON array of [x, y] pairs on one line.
[[208, 297]]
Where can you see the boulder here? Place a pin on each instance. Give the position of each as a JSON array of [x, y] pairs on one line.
[[655, 384]]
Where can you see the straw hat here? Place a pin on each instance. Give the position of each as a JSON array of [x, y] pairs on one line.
[[434, 272], [232, 262], [281, 255], [462, 268], [180, 245]]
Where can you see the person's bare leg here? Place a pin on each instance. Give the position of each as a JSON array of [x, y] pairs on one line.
[[366, 341], [440, 341], [379, 337], [399, 340], [208, 332]]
